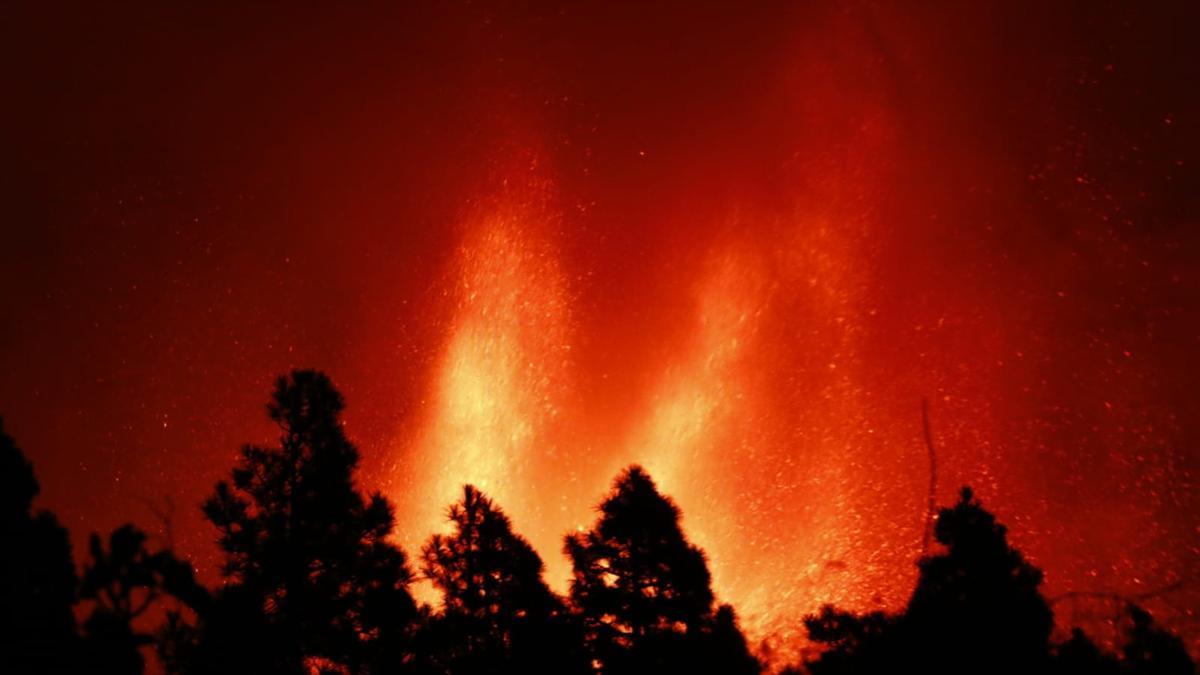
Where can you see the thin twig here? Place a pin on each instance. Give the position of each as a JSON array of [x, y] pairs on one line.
[[1118, 597], [931, 513]]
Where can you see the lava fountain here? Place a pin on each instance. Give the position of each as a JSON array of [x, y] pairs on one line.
[[500, 381]]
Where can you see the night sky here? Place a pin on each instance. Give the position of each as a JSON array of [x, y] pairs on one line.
[[534, 243]]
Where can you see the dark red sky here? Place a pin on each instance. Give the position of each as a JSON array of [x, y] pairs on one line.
[[534, 242]]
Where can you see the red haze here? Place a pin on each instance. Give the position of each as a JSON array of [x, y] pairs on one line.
[[736, 245]]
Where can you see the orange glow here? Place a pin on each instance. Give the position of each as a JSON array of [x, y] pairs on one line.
[[500, 379], [692, 427], [755, 238]]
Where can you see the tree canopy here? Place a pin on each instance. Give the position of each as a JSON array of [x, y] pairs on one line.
[[37, 575], [643, 591], [313, 584], [499, 616], [306, 554], [978, 607]]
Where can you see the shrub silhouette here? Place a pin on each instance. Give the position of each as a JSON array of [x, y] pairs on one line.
[[498, 614]]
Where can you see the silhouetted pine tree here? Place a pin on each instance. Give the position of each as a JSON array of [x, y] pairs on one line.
[[312, 582], [643, 591], [313, 587], [977, 608], [978, 602], [498, 614], [37, 575]]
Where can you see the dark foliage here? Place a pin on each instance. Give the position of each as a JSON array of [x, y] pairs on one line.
[[977, 608], [867, 643], [37, 576], [313, 586], [724, 648], [1151, 650], [644, 592], [312, 582], [1080, 656], [123, 582], [498, 614], [979, 601]]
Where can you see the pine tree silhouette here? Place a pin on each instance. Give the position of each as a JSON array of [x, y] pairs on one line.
[[313, 586], [37, 575], [978, 604], [978, 608], [498, 614], [312, 582], [642, 590]]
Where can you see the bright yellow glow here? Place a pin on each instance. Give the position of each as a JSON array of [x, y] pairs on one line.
[[499, 377]]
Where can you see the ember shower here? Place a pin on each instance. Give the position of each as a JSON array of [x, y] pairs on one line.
[[737, 246]]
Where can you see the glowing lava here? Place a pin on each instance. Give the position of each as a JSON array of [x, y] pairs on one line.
[[499, 381]]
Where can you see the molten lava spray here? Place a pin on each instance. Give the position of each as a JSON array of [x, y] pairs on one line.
[[501, 381]]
